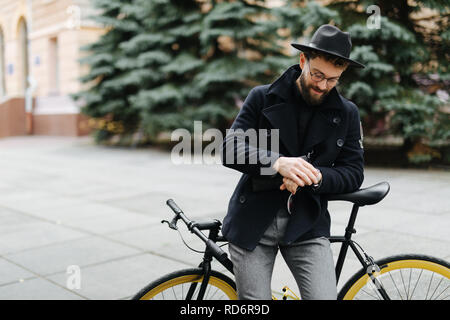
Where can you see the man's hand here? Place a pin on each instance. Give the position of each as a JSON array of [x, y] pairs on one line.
[[291, 186], [300, 171]]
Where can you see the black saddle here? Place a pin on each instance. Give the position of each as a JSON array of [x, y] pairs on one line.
[[363, 197]]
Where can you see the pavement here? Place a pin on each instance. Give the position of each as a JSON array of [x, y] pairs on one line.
[[81, 221]]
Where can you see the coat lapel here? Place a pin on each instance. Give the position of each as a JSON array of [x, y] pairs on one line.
[[324, 121], [319, 128], [282, 116]]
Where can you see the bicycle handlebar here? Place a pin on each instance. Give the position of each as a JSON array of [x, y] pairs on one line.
[[174, 206], [216, 251]]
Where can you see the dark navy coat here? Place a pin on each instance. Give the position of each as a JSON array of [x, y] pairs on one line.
[[334, 139]]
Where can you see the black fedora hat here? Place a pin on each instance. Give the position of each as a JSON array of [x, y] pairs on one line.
[[329, 39]]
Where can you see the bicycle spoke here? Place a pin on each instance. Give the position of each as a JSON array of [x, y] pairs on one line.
[[409, 283], [395, 286], [431, 297], [174, 294], [442, 292], [403, 282], [376, 297], [412, 294], [208, 289], [431, 280], [215, 292]]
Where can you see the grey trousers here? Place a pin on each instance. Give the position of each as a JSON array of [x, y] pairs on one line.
[[310, 261]]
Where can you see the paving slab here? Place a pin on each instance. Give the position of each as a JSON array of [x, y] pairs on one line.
[[121, 278], [66, 201], [36, 289], [19, 233], [12, 273], [82, 252]]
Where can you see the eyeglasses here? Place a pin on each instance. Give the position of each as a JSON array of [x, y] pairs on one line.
[[319, 77]]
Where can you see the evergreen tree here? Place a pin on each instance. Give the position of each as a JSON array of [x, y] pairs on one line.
[[391, 101], [404, 48], [128, 64], [165, 63]]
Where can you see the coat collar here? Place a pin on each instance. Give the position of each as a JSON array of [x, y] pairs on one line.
[[280, 115]]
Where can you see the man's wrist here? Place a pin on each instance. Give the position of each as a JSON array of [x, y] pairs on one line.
[[276, 165], [317, 185]]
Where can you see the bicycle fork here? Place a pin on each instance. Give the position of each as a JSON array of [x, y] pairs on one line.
[[206, 274], [206, 266]]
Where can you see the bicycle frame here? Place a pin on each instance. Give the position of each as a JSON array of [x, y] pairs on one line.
[[346, 240], [212, 250]]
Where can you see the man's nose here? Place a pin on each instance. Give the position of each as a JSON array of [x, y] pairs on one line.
[[323, 84]]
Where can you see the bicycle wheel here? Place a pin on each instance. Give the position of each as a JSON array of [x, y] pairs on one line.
[[404, 277], [176, 285]]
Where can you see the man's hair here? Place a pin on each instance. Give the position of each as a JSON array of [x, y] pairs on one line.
[[338, 62]]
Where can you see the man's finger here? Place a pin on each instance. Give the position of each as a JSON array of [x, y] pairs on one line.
[[309, 166], [303, 174], [296, 179], [290, 185]]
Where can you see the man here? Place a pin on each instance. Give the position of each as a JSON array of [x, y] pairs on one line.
[[320, 152]]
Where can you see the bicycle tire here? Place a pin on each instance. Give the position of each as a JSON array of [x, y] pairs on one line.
[[400, 276], [176, 285]]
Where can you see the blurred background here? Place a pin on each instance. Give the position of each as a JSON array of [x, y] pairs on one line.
[[90, 91], [130, 72]]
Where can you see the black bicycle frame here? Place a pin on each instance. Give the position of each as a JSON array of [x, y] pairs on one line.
[[206, 265], [347, 242], [214, 237]]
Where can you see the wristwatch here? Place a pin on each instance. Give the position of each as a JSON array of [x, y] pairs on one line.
[[317, 185]]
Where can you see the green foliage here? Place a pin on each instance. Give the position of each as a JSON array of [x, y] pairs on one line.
[[164, 64], [399, 52]]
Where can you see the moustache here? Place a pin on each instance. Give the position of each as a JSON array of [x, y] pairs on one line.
[[318, 90]]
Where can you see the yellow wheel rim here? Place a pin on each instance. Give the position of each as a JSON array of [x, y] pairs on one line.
[[395, 265], [228, 290]]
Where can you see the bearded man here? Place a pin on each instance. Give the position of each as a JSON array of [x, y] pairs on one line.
[[320, 152]]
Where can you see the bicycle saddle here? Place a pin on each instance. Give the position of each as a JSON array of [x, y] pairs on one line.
[[366, 196]]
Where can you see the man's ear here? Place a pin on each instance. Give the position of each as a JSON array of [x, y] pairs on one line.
[[302, 60]]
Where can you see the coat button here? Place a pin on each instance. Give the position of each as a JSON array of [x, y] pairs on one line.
[[242, 199], [340, 142], [336, 120]]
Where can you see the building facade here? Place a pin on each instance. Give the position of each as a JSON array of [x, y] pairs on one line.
[[40, 44]]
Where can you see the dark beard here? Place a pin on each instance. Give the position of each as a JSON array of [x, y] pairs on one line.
[[305, 91]]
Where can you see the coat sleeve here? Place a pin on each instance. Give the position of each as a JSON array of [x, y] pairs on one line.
[[347, 174], [241, 148]]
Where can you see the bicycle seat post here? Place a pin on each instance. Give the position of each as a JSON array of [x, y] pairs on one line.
[[349, 230]]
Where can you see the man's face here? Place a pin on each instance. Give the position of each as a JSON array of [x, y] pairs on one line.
[[314, 92]]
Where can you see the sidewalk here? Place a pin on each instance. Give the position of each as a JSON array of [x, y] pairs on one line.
[[67, 202]]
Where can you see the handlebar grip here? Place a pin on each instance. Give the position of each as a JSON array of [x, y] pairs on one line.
[[173, 206], [217, 252]]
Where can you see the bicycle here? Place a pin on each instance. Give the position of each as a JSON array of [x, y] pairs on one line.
[[399, 277]]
